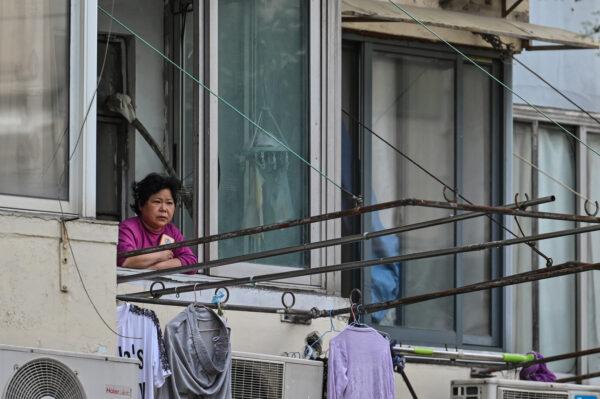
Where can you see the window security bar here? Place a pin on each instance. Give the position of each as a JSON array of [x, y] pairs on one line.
[[322, 244], [371, 262]]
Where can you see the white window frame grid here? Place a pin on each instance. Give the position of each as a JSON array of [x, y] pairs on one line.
[[584, 126], [324, 143], [82, 84]]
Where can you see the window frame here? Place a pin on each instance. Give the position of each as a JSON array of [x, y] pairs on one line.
[[366, 47], [82, 84], [324, 146], [583, 127]]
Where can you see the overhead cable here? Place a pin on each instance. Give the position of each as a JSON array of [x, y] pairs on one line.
[[227, 103], [63, 219], [446, 186], [466, 57], [537, 75], [549, 176]]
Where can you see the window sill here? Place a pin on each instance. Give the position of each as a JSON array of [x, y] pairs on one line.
[[262, 294]]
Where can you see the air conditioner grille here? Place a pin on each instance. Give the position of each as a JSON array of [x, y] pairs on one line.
[[516, 394], [44, 378], [255, 379]]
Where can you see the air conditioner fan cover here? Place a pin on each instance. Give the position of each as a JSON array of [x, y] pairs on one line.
[[44, 378]]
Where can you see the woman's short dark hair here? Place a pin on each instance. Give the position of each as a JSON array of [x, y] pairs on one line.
[[152, 184]]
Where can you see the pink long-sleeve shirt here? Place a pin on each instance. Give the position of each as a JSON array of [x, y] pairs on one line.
[[133, 235]]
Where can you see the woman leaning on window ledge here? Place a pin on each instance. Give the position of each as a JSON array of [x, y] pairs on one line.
[[154, 201]]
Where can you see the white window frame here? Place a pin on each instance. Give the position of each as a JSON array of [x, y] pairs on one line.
[[82, 84], [325, 144]]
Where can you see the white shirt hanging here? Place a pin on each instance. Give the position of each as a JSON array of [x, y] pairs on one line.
[[140, 338]]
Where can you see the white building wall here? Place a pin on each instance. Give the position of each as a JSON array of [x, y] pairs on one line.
[[33, 309]]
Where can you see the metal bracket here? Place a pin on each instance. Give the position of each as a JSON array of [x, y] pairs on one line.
[[63, 253], [506, 11], [292, 318], [296, 319], [479, 372]]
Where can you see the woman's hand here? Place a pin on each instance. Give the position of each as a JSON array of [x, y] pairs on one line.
[[166, 264], [164, 255]]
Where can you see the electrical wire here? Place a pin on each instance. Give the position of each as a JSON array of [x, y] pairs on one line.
[[466, 57], [537, 75], [433, 176], [62, 213], [227, 103], [549, 176]]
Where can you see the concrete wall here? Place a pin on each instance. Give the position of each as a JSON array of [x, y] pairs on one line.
[[33, 309], [145, 17], [574, 72]]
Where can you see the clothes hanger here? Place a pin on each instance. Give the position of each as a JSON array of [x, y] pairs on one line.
[[309, 350], [355, 308], [198, 305]]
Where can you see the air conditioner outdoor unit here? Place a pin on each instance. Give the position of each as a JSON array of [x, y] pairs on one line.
[[493, 388], [28, 373], [257, 376]]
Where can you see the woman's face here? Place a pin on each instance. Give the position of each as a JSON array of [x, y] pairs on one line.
[[158, 211]]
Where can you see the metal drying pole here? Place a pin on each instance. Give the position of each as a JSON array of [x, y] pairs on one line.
[[359, 210], [321, 244], [366, 209], [526, 277], [369, 263], [224, 306]]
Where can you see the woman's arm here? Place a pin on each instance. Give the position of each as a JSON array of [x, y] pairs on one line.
[[165, 264], [184, 254], [147, 260]]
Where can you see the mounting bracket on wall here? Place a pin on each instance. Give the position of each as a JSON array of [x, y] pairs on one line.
[[63, 261]]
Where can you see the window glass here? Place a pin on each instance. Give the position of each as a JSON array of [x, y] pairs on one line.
[[413, 109], [263, 71], [476, 176], [557, 295], [593, 278], [34, 98], [522, 254], [187, 139]]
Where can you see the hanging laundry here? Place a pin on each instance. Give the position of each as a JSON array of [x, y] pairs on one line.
[[537, 372], [360, 365], [140, 338], [198, 347]]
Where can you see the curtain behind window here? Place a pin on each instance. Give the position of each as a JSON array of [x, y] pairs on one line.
[[34, 98], [593, 255], [477, 187], [557, 328], [522, 326]]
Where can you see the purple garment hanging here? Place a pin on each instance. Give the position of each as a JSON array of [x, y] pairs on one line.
[[537, 372], [360, 365]]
